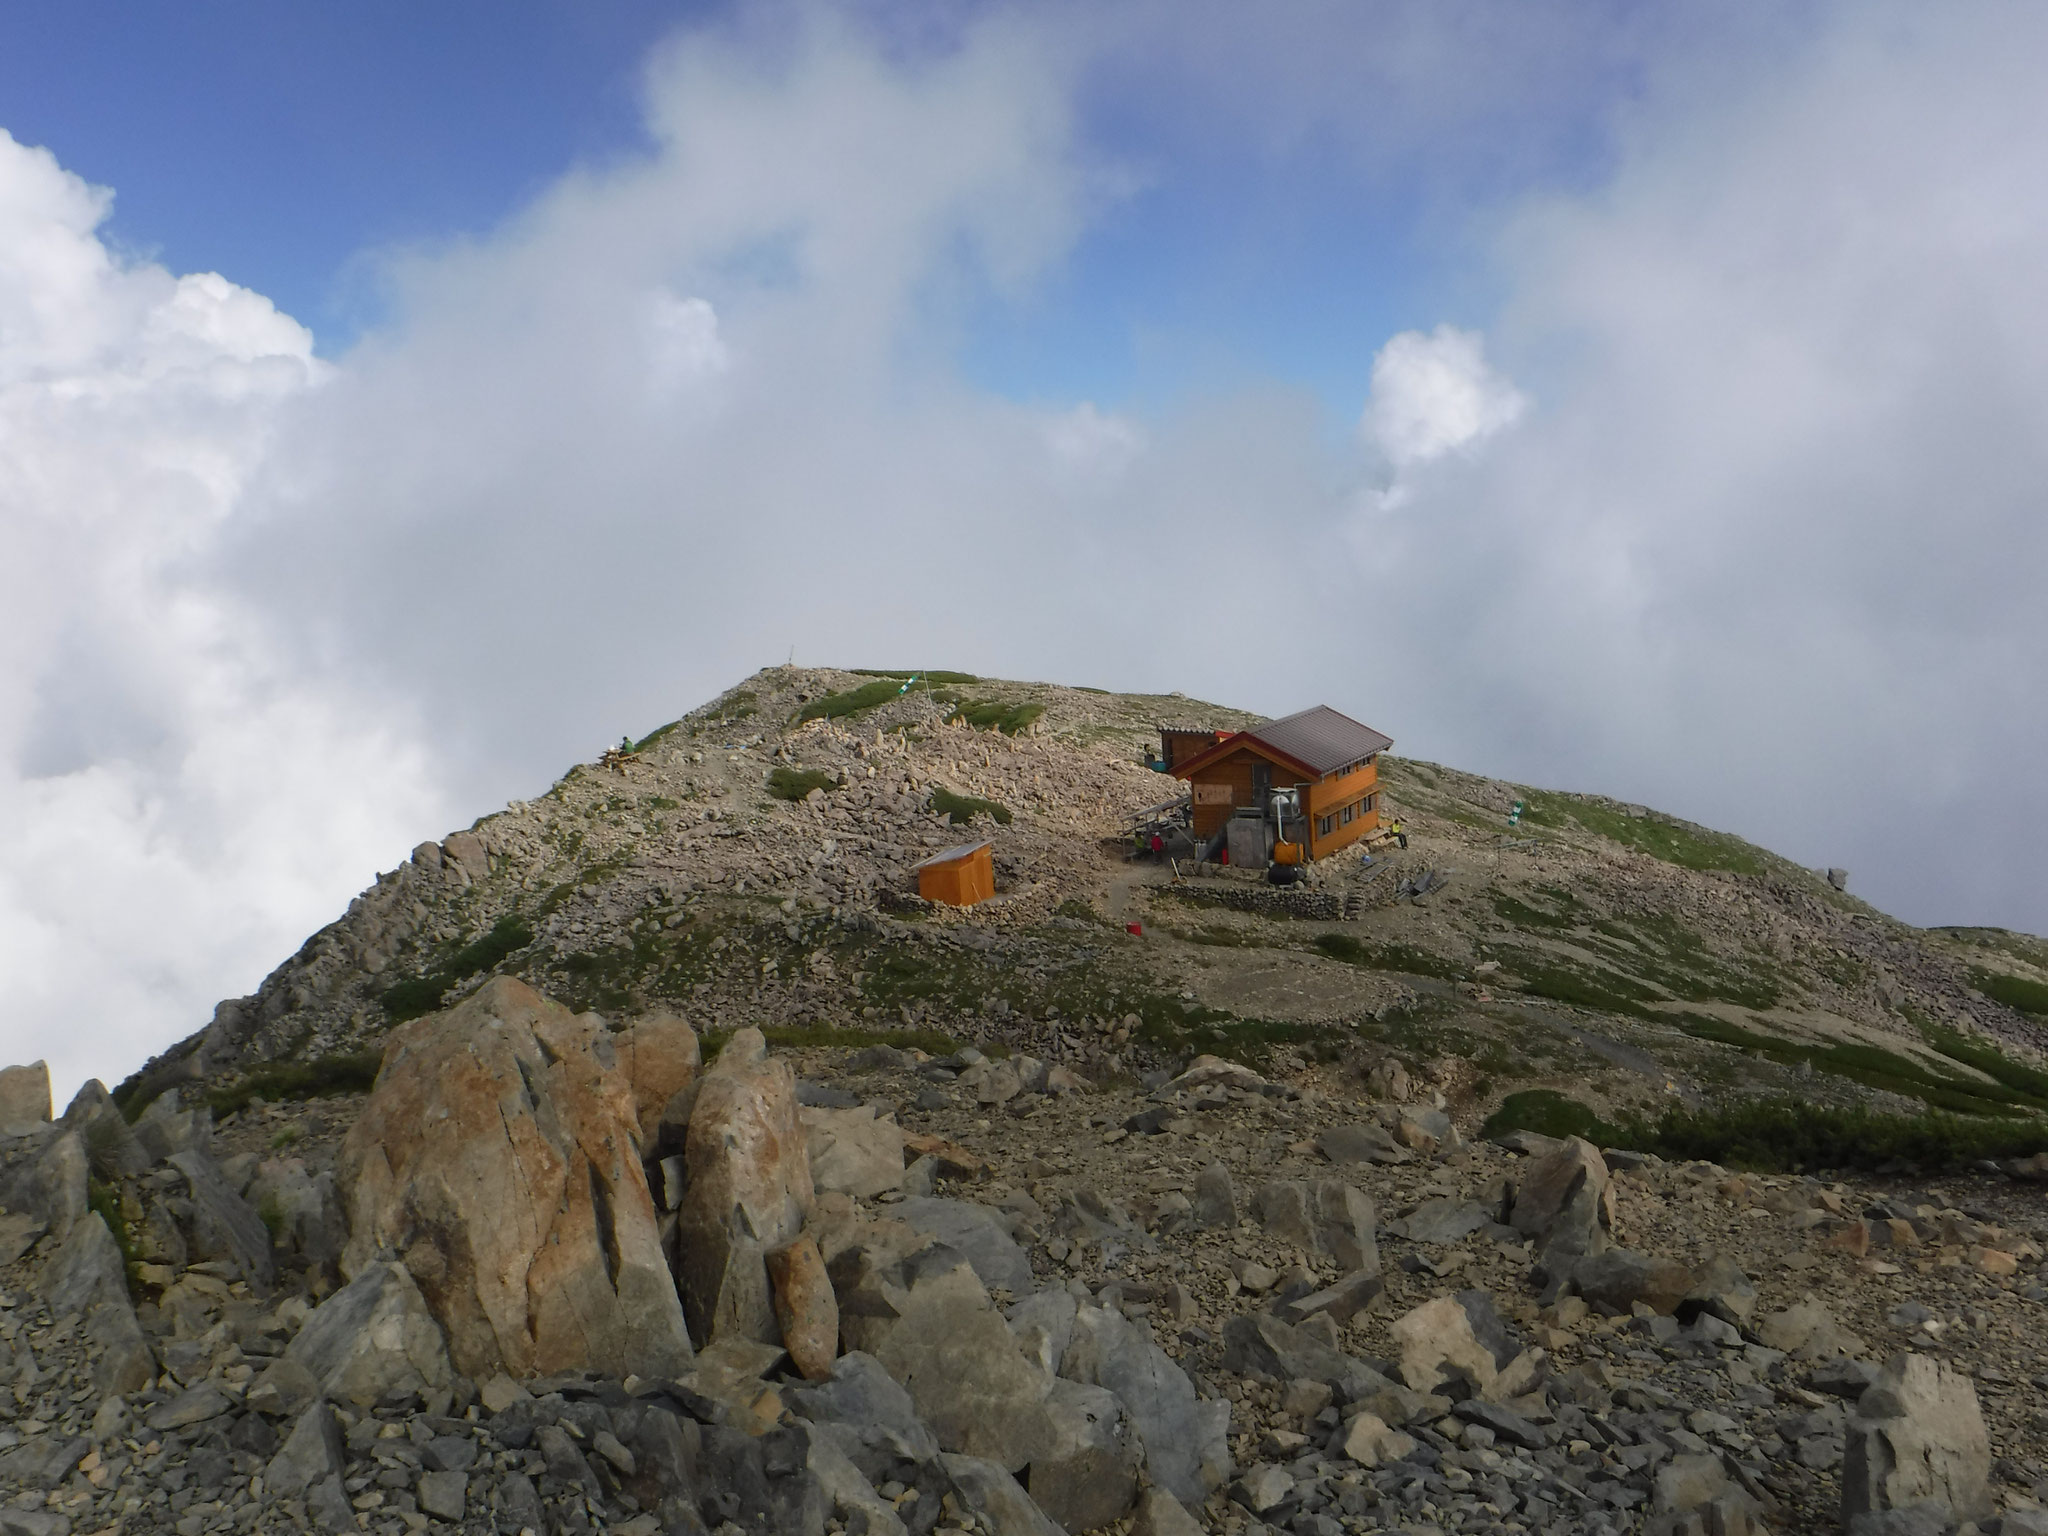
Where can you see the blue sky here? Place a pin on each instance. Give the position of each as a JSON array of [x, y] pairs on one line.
[[1649, 399], [290, 148]]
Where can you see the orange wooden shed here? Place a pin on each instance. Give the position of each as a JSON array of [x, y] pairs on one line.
[[959, 876]]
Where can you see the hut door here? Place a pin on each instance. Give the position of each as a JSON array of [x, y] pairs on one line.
[[1262, 787]]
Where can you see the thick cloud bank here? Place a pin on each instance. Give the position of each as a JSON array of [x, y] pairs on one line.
[[1732, 507], [176, 812]]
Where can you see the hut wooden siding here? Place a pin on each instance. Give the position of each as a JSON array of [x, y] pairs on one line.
[[1179, 743], [1339, 789], [959, 877]]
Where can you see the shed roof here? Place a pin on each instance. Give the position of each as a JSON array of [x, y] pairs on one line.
[[951, 855], [1318, 741], [1321, 738]]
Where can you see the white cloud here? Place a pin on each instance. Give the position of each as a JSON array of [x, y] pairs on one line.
[[176, 813], [1434, 394]]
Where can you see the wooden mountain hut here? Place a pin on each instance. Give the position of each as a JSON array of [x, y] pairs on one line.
[[1328, 759]]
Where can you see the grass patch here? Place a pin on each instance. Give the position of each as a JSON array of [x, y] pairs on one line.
[[653, 736], [1548, 1113], [995, 715], [1598, 990], [106, 1200], [1662, 837], [2014, 991], [961, 809], [794, 784], [1792, 1136], [322, 1077], [1387, 957], [416, 996], [1875, 1067], [837, 706], [922, 677], [1989, 1060]]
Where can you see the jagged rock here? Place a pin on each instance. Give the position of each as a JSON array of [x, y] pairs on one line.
[[41, 1462], [1361, 1143], [660, 1058], [987, 1488], [1807, 1329], [1369, 1441], [1215, 1198], [110, 1146], [24, 1098], [1186, 1440], [444, 1495], [1564, 1202], [1325, 1219], [1442, 1220], [979, 1234], [1439, 1346], [330, 1508], [732, 1371], [1615, 1280], [1086, 1473], [195, 1405], [1261, 1342], [852, 1495], [880, 1420], [1720, 1288], [961, 1364], [19, 1232], [1206, 1071], [302, 1211], [86, 1269], [122, 1362], [1425, 1130], [1917, 1435], [372, 1337], [224, 1225], [44, 1177], [314, 1450], [285, 1388], [1340, 1302], [497, 1160], [748, 1189], [805, 1307], [1044, 1325], [764, 1480], [165, 1127], [852, 1151]]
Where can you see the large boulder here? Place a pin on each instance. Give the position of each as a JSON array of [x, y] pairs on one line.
[[224, 1225], [1917, 1436], [1326, 1218], [24, 1098], [852, 1151], [1186, 1440], [660, 1058], [1565, 1201], [372, 1337], [747, 1189], [110, 1145], [497, 1160]]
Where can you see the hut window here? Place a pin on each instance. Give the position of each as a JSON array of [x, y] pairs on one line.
[[1323, 826]]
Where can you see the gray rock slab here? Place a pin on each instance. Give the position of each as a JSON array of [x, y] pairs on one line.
[[444, 1495], [194, 1406], [1186, 1440], [87, 1269], [1443, 1220], [372, 1337], [312, 1451], [225, 1225], [867, 1399], [1086, 1475], [981, 1235], [996, 1497]]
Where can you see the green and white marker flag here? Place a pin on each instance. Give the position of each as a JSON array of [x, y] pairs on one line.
[[1515, 815]]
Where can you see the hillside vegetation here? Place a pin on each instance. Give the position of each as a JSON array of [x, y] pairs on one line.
[[749, 863]]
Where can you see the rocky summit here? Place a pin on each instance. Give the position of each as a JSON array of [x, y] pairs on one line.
[[650, 1157]]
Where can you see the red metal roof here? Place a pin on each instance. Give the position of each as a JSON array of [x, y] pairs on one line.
[[1318, 741]]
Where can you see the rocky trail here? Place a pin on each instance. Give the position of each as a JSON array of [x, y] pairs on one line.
[[648, 1158]]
